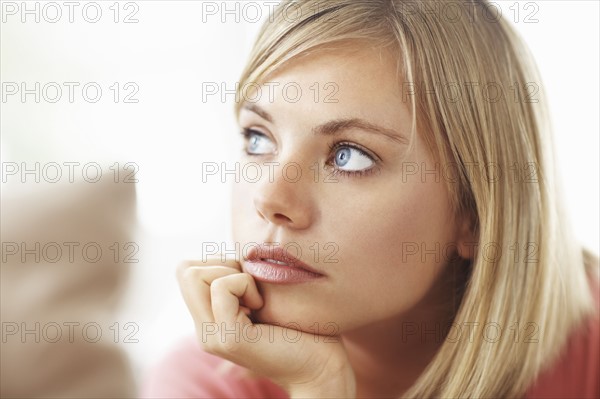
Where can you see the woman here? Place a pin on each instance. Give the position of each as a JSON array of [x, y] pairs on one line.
[[403, 235]]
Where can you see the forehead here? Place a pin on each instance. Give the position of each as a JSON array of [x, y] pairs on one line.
[[337, 82]]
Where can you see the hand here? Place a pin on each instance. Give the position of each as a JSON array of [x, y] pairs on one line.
[[221, 297]]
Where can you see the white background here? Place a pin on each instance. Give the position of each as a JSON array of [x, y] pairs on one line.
[[169, 53]]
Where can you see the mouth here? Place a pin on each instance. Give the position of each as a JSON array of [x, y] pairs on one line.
[[273, 264], [274, 261]]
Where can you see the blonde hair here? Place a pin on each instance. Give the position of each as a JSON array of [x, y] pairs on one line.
[[552, 292]]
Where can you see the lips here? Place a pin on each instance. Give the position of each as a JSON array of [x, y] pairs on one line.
[[276, 265]]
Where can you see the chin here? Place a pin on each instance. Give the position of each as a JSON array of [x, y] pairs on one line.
[[276, 315], [299, 315]]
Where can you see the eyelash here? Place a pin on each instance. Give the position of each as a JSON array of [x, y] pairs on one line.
[[247, 132], [332, 148]]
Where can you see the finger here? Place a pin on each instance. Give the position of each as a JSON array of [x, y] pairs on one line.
[[210, 261], [195, 284], [226, 293], [224, 261]]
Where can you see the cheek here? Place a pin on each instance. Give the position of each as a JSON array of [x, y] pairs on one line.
[[393, 251], [388, 222]]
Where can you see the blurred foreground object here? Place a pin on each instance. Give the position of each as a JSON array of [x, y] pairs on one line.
[[65, 254]]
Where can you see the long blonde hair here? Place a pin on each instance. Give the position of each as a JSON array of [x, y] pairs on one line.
[[497, 123]]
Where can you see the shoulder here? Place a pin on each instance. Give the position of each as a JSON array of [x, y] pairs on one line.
[[576, 374], [190, 372]]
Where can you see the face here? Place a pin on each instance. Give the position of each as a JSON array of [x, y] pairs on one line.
[[341, 192]]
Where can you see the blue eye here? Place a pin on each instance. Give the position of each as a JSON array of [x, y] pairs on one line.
[[347, 159], [352, 159], [257, 143]]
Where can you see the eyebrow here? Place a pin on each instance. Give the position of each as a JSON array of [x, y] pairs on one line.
[[336, 126], [259, 111]]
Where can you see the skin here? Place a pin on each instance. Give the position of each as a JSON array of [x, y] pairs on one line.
[[375, 291]]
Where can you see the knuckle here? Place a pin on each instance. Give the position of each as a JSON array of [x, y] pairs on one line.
[[248, 279], [192, 274], [218, 285]]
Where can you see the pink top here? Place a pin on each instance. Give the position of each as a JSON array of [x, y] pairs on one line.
[[189, 372], [576, 374]]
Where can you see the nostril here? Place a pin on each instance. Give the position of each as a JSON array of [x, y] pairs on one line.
[[282, 217]]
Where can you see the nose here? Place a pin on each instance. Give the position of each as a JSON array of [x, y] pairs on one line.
[[284, 198]]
